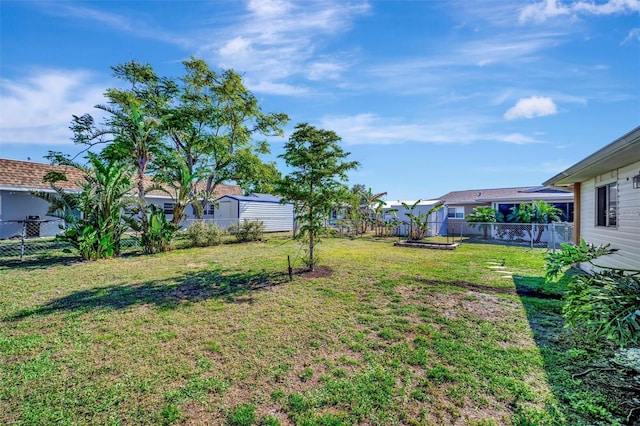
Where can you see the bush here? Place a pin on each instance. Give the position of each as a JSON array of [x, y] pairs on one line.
[[248, 231], [160, 231], [203, 234], [607, 301]]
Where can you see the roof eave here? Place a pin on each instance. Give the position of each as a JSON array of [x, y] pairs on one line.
[[618, 153]]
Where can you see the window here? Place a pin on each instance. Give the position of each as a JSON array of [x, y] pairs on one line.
[[168, 208], [607, 205], [507, 209], [455, 212], [209, 210], [567, 211]]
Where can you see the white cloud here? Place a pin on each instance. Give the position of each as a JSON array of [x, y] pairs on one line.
[[278, 39], [634, 35], [370, 129], [535, 106], [123, 23], [549, 9], [611, 7], [269, 87], [325, 70], [541, 11], [38, 108]]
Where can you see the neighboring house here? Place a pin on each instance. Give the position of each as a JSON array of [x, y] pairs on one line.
[[606, 188], [437, 220], [17, 204], [460, 203], [232, 209]]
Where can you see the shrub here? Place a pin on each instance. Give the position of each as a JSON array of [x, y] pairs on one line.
[[160, 231], [248, 230], [203, 234], [607, 301]]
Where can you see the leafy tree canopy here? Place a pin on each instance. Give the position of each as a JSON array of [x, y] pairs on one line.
[[315, 184]]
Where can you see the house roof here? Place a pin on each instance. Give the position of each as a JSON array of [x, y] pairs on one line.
[[479, 196], [619, 153], [29, 176]]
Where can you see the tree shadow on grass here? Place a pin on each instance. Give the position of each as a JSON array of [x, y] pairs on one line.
[[532, 288], [585, 394], [37, 262], [578, 368], [233, 287]]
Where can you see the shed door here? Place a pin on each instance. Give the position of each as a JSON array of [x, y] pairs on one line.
[[224, 210]]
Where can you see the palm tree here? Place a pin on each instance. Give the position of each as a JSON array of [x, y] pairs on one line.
[[419, 224], [173, 176], [483, 215], [538, 212], [100, 222]]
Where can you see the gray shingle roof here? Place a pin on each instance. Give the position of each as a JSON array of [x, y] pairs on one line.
[[476, 196]]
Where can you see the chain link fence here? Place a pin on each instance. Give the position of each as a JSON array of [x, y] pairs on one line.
[[540, 235], [24, 239], [35, 239]]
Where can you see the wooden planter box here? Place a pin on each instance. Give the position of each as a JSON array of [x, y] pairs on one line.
[[426, 245]]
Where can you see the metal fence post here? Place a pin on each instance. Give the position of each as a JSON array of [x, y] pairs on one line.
[[532, 233], [24, 230]]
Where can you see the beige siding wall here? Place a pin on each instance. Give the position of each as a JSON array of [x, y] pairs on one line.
[[454, 225], [626, 236]]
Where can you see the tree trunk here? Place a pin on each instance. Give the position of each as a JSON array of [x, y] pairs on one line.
[[311, 242], [144, 223]]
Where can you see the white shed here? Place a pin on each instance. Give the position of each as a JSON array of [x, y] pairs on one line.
[[231, 209], [437, 220]]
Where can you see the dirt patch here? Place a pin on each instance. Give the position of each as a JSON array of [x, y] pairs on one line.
[[318, 272], [484, 306]]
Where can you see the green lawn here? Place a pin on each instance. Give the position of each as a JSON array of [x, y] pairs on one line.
[[220, 336]]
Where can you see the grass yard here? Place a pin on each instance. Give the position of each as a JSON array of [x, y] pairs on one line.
[[387, 335]]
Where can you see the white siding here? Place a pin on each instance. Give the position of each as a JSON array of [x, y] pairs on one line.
[[17, 205], [626, 236], [226, 212], [276, 217]]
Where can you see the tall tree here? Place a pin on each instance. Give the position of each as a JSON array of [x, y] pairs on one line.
[[214, 120], [131, 130], [315, 184]]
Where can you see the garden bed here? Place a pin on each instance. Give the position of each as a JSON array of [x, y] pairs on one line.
[[426, 245]]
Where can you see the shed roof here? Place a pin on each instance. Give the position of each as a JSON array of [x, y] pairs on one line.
[[479, 196], [18, 175]]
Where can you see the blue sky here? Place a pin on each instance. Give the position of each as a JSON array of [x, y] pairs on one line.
[[429, 96]]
